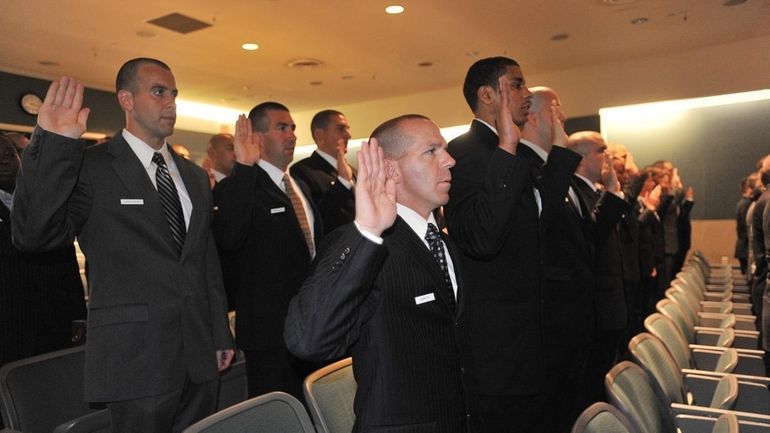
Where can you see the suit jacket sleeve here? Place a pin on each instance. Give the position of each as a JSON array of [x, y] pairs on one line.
[[234, 204], [51, 201], [557, 175], [325, 317], [484, 198]]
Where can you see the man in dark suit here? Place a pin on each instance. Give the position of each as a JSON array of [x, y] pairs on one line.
[[494, 215], [568, 313], [266, 221], [157, 325], [741, 228], [389, 290], [326, 172], [221, 152], [607, 206], [40, 294]]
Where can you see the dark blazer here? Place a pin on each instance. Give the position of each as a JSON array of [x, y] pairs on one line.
[[335, 202], [408, 357], [568, 308], [493, 217], [741, 229], [40, 296], [154, 317], [609, 297], [255, 223]]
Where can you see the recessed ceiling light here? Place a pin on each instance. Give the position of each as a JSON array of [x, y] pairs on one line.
[[425, 64], [250, 46], [640, 20], [316, 83], [394, 9], [617, 2], [560, 36], [472, 53], [734, 2], [347, 77], [48, 63]]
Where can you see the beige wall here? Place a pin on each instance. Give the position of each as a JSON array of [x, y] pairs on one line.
[[716, 238], [729, 68]]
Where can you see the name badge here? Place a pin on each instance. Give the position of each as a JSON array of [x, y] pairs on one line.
[[276, 210], [131, 201], [424, 298]]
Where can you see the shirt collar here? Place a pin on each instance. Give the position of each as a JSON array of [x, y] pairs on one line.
[[487, 125], [417, 223], [218, 176], [275, 173], [535, 148], [328, 158], [6, 198], [143, 150], [588, 182]]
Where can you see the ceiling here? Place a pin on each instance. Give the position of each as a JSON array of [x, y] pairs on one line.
[[366, 53]]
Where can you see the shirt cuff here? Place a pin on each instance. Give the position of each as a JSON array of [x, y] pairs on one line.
[[374, 238]]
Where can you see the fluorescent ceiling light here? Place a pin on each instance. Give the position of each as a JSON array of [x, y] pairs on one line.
[[206, 112], [250, 46], [394, 9], [667, 112]]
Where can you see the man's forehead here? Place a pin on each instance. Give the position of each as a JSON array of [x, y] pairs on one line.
[[280, 116], [514, 72]]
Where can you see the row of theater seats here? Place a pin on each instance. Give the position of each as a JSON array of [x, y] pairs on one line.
[[696, 369], [44, 394]]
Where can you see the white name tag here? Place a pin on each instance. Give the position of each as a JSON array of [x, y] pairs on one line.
[[424, 298], [132, 201], [277, 210]]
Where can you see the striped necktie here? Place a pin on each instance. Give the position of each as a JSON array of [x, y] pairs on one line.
[[169, 198], [299, 211], [437, 249]]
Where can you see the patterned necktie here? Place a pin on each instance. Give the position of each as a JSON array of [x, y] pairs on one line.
[[169, 198], [299, 211], [437, 249]]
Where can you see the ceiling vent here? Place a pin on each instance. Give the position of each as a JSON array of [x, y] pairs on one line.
[[305, 64], [179, 23]]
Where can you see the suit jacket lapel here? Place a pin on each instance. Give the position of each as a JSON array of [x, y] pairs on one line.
[[416, 249], [455, 255], [134, 177], [195, 192], [266, 184]]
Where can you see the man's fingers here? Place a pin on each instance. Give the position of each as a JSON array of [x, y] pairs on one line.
[[77, 100], [53, 89], [83, 116]]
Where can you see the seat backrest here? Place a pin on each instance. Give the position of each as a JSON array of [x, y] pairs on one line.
[[329, 394], [726, 423], [602, 418], [726, 336], [673, 311], [689, 306], [273, 412], [630, 390], [666, 331], [232, 385], [726, 393], [727, 361], [43, 391], [652, 355]]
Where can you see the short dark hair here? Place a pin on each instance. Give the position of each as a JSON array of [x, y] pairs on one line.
[[485, 72], [390, 137], [126, 79], [321, 120], [258, 114]]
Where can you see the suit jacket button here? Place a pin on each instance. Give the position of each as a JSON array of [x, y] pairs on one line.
[[346, 250]]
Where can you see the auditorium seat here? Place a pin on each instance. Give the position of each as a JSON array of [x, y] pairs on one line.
[[329, 394]]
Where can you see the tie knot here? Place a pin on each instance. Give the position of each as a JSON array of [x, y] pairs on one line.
[[157, 158], [432, 233]]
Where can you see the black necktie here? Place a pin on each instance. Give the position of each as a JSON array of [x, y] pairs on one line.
[[169, 198], [437, 249]]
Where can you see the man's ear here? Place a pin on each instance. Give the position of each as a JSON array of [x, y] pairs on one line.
[[392, 171], [126, 100], [486, 95]]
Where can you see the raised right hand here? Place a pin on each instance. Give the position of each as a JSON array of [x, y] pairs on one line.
[[375, 192], [507, 131], [246, 142], [62, 111]]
